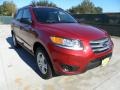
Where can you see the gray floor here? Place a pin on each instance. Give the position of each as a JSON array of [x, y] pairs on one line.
[[18, 71]]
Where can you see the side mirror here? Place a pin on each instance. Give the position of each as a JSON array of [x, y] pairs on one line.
[[26, 21]]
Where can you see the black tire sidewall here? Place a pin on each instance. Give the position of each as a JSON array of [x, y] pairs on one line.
[[13, 36]]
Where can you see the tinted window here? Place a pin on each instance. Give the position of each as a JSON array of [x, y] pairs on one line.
[[19, 15], [26, 14], [53, 15]]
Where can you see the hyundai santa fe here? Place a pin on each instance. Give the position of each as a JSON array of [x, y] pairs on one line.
[[59, 44]]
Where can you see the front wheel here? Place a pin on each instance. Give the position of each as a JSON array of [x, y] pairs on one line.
[[43, 63]]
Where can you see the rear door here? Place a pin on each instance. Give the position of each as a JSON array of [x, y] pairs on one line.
[[16, 25]]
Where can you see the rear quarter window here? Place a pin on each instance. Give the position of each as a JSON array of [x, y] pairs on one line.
[[19, 14]]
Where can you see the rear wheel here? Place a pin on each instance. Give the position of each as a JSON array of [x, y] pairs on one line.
[[43, 63], [15, 43]]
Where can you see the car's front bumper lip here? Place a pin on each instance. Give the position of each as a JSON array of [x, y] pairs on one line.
[[98, 61]]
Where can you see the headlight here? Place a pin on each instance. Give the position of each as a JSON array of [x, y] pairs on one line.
[[67, 43]]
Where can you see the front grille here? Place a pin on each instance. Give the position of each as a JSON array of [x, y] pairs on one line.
[[100, 45]]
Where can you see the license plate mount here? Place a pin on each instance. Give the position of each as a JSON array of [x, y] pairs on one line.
[[105, 61]]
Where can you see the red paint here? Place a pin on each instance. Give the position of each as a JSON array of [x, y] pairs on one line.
[[58, 55]]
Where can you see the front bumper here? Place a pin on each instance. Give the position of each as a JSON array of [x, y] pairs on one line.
[[68, 62]]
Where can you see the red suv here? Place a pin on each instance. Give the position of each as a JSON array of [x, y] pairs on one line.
[[58, 42]]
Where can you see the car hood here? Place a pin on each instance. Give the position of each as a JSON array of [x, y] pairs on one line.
[[75, 30]]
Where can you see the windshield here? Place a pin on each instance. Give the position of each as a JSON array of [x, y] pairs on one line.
[[53, 15]]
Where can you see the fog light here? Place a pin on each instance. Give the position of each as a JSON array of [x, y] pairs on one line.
[[68, 68]]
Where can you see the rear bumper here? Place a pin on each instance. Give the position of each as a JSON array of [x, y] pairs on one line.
[[69, 62]]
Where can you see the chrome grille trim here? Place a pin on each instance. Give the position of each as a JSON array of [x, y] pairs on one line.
[[100, 45], [100, 41]]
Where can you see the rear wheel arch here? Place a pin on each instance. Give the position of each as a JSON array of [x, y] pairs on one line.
[[13, 32]]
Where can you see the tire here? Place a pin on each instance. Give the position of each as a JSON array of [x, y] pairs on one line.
[[15, 43], [43, 63]]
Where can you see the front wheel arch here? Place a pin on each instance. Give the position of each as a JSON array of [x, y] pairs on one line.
[[39, 45]]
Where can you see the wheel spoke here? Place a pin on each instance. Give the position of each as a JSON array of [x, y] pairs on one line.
[[45, 66], [42, 57], [43, 70]]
